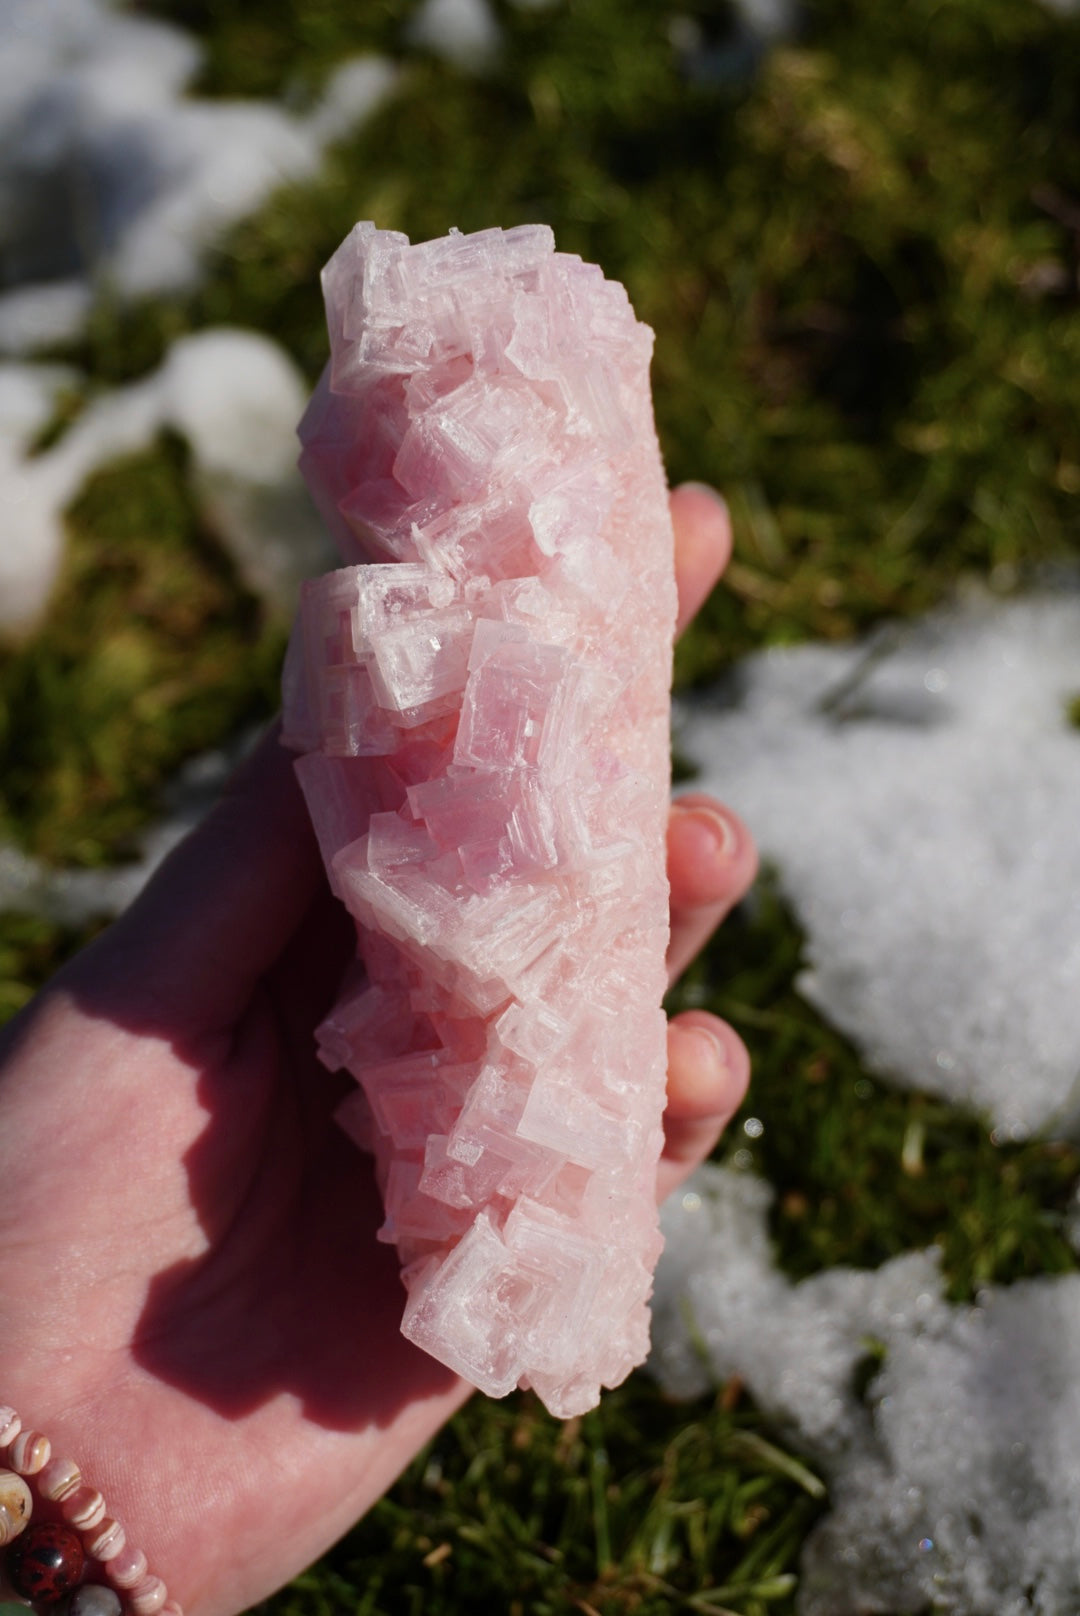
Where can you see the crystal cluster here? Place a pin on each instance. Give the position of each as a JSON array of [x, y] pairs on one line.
[[481, 700]]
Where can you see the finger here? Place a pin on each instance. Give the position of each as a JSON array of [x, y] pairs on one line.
[[708, 1074], [219, 911], [712, 862], [222, 906], [702, 545]]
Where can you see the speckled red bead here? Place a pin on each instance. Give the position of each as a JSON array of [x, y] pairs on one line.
[[45, 1562], [48, 1560]]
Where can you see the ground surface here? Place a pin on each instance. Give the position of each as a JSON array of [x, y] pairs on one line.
[[860, 259]]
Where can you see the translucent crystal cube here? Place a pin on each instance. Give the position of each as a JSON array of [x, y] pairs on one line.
[[484, 708]]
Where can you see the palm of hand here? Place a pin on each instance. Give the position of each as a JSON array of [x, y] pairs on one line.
[[223, 1304], [192, 1300]]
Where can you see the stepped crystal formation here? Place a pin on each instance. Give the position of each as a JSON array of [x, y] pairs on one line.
[[481, 698]]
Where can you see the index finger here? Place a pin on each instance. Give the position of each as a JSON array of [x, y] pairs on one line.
[[702, 545]]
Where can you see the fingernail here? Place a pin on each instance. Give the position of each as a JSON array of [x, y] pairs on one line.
[[705, 488], [711, 1049], [716, 826]]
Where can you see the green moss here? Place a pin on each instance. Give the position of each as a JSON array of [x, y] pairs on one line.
[[858, 268], [641, 1506], [152, 651], [31, 950], [861, 268], [280, 48]]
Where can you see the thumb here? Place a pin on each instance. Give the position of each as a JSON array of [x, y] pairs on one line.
[[222, 906]]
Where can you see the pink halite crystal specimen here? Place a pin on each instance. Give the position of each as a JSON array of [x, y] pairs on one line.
[[481, 697]]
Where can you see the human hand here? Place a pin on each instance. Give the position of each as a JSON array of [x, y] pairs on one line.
[[192, 1301]]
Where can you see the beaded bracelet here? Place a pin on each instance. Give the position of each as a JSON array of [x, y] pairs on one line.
[[72, 1559]]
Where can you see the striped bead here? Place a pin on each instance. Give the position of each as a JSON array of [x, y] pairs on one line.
[[59, 1479], [16, 1506], [102, 1538], [11, 1524], [106, 1540], [128, 1568], [83, 1509], [148, 1597], [29, 1453]]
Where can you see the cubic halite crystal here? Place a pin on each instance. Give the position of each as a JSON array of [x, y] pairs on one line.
[[481, 698]]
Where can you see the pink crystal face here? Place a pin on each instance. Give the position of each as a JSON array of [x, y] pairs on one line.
[[481, 698]]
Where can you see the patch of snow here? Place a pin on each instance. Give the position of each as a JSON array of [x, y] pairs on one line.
[[770, 19], [43, 314], [33, 541], [236, 397], [920, 796], [463, 32], [955, 1479], [111, 175]]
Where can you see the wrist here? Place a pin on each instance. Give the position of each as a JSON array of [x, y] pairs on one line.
[[60, 1540]]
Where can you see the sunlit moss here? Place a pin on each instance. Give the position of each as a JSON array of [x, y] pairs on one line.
[[861, 267], [152, 651]]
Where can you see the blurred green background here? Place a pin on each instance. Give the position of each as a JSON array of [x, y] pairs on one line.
[[858, 247]]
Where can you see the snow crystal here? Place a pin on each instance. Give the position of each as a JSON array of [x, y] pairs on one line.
[[109, 172], [955, 1478], [920, 795], [234, 395]]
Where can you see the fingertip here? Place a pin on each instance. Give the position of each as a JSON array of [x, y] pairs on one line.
[[702, 526], [708, 1073], [711, 854], [702, 507], [220, 908], [708, 1068]]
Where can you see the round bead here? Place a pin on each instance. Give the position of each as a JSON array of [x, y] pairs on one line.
[[30, 1452], [45, 1562], [93, 1599], [127, 1568], [149, 1597], [16, 1506], [10, 1425], [59, 1479], [84, 1508], [105, 1541]]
